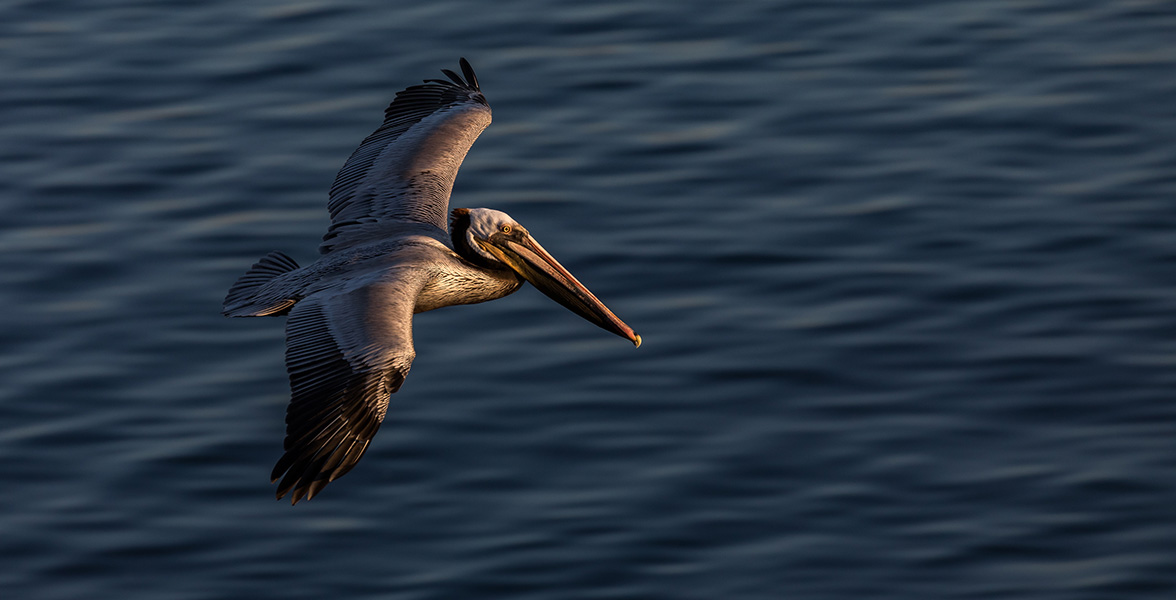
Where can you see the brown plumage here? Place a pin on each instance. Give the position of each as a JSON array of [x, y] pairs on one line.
[[387, 256]]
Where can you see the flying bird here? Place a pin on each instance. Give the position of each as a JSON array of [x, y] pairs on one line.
[[389, 254]]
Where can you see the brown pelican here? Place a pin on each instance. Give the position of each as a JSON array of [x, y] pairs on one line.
[[385, 257]]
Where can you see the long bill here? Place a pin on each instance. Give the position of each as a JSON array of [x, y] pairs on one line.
[[527, 258]]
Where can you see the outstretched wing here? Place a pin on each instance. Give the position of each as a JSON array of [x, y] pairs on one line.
[[346, 353], [403, 173]]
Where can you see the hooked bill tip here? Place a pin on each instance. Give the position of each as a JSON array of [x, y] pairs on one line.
[[636, 341]]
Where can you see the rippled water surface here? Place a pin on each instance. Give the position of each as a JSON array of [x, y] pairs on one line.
[[905, 271]]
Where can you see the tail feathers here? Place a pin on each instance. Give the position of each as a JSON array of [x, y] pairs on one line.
[[241, 300]]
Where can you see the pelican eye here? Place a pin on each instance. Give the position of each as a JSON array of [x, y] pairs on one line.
[[504, 229]]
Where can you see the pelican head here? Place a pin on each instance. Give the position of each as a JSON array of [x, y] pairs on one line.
[[492, 239]]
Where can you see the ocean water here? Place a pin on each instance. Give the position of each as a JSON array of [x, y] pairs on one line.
[[905, 272]]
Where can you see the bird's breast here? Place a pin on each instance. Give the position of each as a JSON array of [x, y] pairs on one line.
[[463, 283]]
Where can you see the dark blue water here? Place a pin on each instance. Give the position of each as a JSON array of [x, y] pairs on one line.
[[905, 271]]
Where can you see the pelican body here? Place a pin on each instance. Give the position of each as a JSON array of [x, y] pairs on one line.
[[388, 254]]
